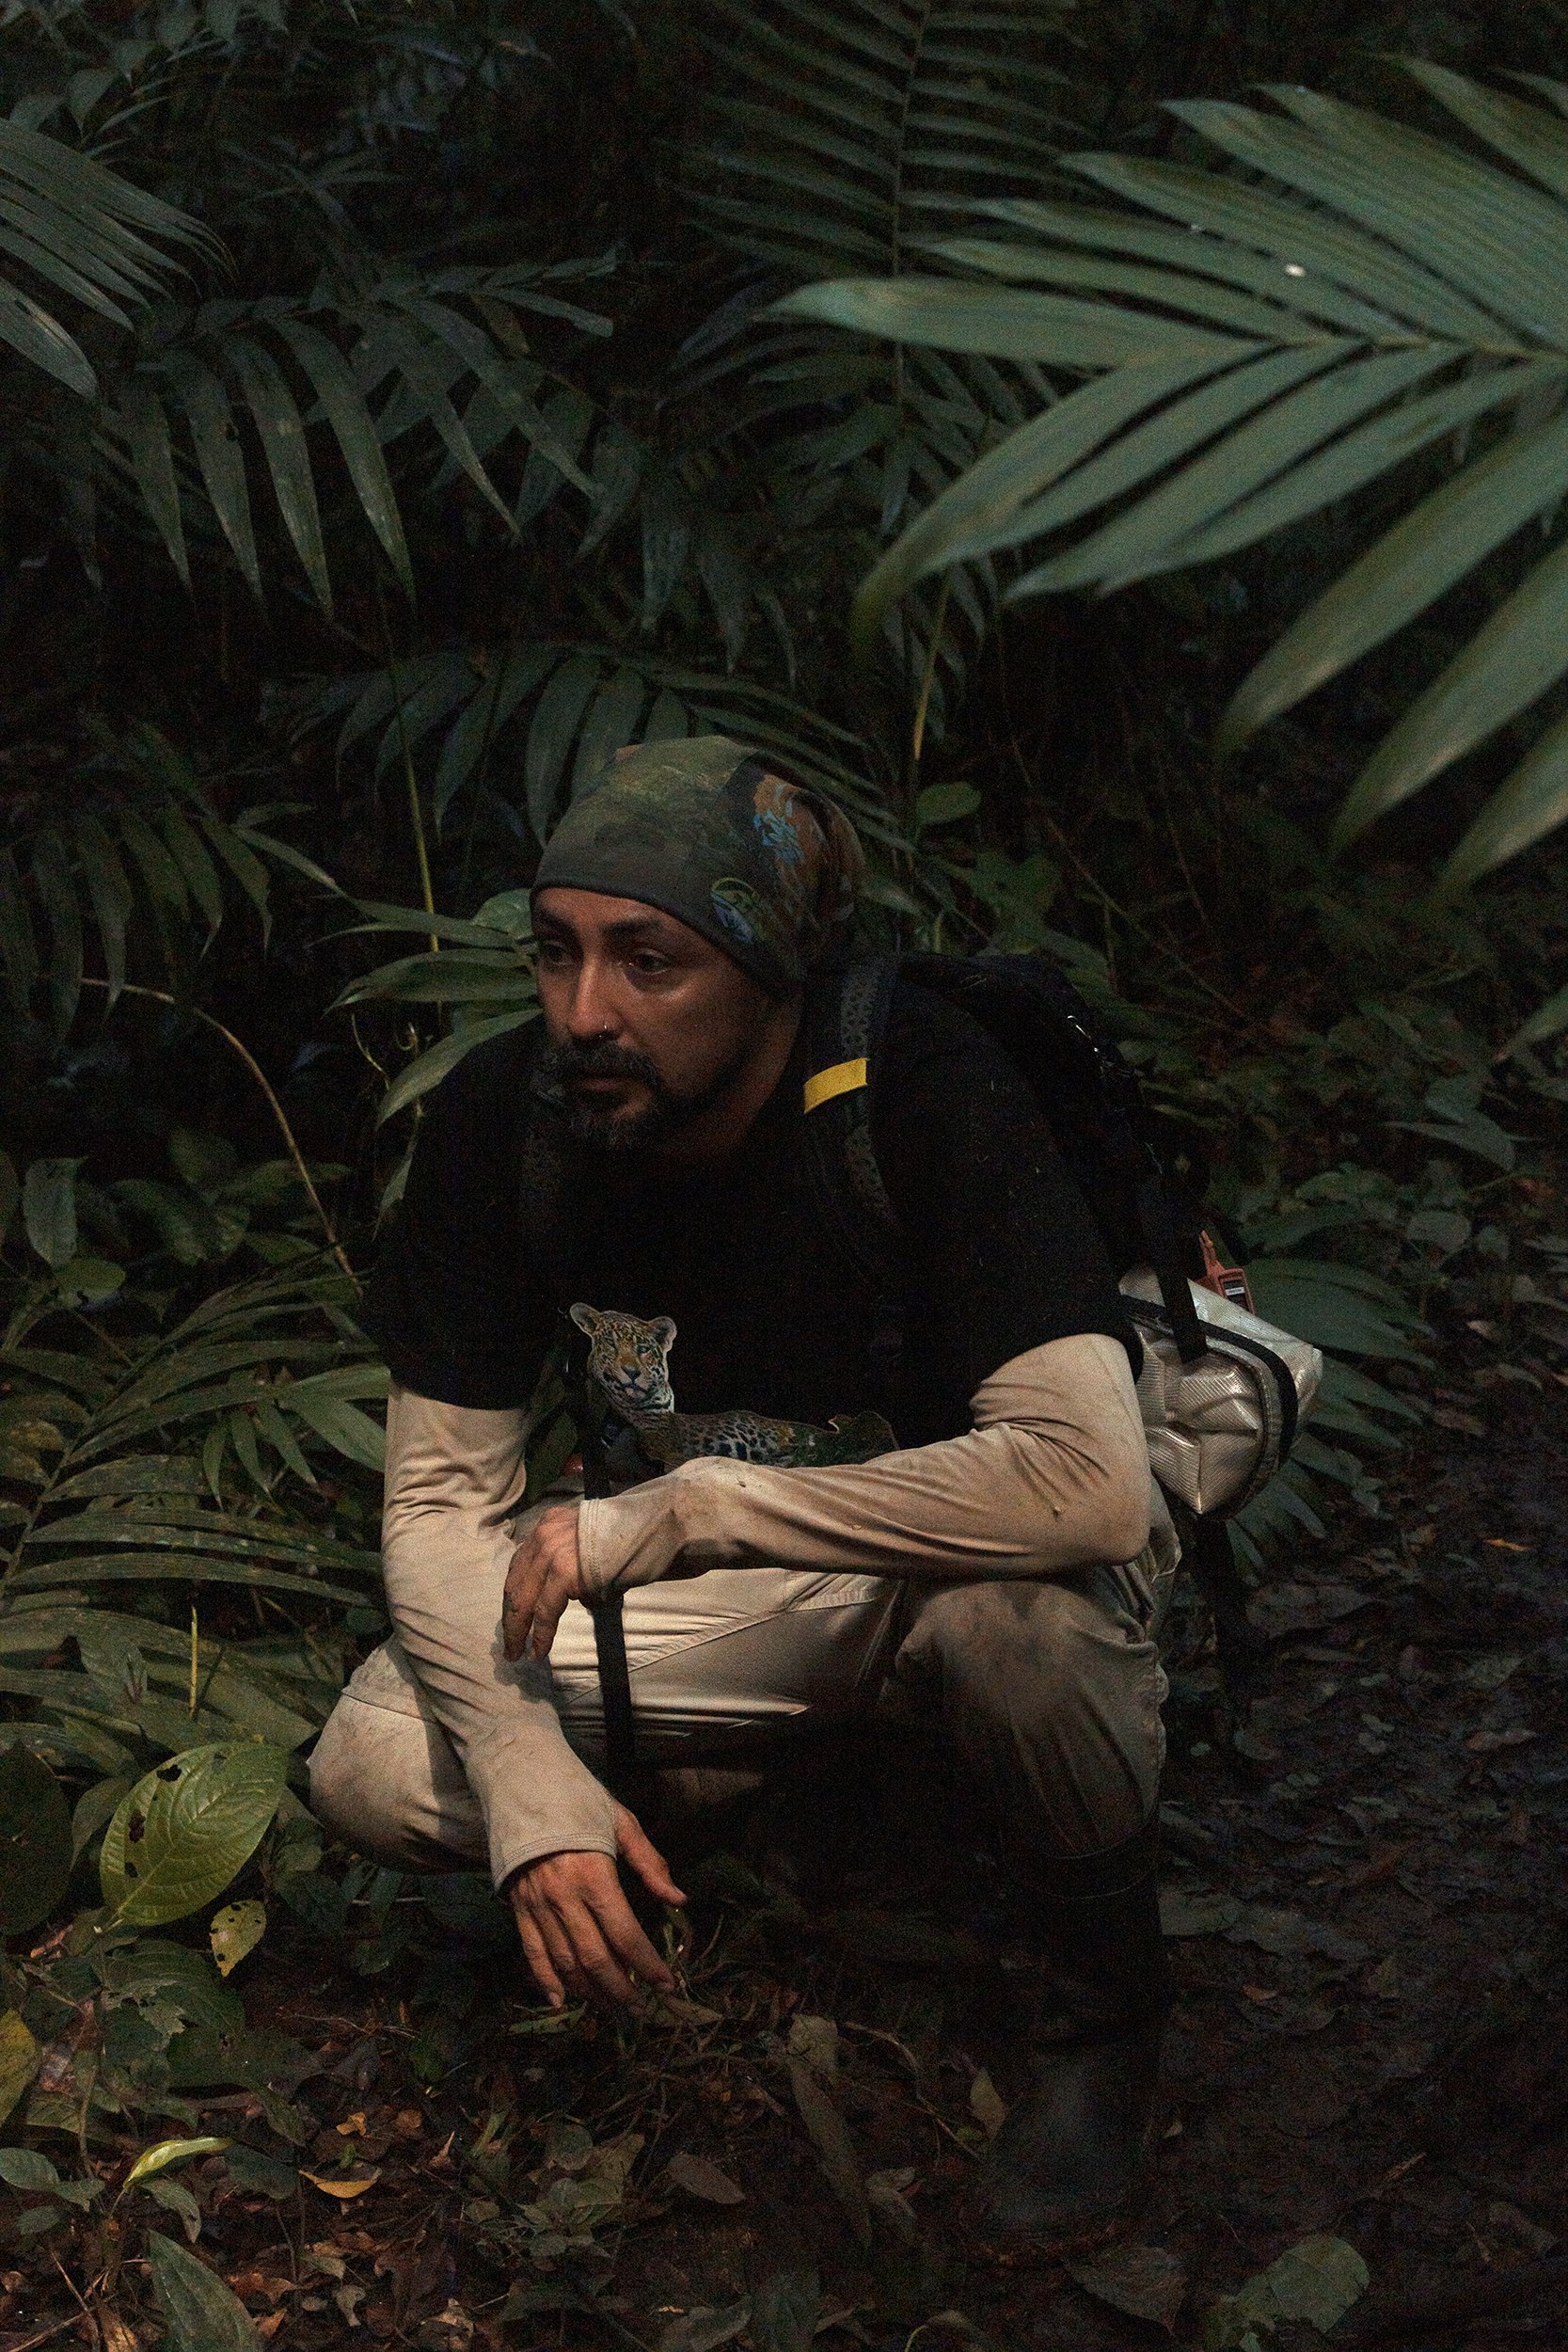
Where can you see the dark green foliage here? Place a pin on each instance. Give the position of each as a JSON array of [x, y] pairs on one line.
[[406, 405]]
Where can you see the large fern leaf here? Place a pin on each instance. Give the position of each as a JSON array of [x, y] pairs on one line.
[[1373, 295]]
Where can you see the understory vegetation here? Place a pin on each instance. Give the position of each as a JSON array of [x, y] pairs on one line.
[[1146, 521]]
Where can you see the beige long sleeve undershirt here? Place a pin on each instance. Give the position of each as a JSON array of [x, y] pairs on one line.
[[1055, 1475], [454, 1482]]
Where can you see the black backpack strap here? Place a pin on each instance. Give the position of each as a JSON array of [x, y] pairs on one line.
[[846, 1024], [622, 1763]]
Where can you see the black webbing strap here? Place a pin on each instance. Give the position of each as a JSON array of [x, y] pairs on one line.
[[610, 1632], [1160, 1218], [620, 1724]]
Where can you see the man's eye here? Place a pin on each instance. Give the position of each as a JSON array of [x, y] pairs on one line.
[[554, 952], [648, 965]]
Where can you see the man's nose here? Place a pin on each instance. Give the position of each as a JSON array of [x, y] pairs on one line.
[[591, 1013]]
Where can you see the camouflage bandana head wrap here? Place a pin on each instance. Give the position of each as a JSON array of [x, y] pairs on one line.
[[700, 829]]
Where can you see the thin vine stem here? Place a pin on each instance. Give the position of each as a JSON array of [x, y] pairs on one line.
[[162, 996], [416, 811]]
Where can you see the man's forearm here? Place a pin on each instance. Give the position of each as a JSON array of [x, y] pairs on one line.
[[453, 1482], [1055, 1475]]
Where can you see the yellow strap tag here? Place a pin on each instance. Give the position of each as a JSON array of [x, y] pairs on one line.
[[842, 1078]]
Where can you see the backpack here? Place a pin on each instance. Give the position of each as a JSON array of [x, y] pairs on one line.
[[1221, 1392]]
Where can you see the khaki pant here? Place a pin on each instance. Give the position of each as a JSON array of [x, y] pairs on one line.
[[1049, 1693]]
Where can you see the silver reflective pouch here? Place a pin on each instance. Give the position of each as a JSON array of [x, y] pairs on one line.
[[1218, 1429]]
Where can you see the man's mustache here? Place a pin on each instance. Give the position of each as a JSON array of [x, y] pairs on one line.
[[564, 1064]]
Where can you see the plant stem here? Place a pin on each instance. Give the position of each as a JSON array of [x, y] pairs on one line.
[[917, 735], [416, 814], [162, 996]]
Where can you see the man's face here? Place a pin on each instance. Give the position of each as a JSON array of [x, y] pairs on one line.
[[650, 1026]]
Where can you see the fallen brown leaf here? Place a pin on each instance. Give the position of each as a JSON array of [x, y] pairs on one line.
[[343, 2185], [698, 2178]]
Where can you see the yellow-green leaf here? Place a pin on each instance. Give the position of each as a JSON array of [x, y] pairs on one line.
[[165, 2153], [237, 1929], [19, 2060]]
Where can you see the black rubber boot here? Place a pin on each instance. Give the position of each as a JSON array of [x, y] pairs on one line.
[[1065, 2161]]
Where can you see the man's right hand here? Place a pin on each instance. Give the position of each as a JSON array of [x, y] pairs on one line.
[[580, 1936]]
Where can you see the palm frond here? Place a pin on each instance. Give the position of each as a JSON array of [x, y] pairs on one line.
[[532, 723], [313, 386], [81, 229], [164, 1461], [1372, 297], [137, 858], [844, 133]]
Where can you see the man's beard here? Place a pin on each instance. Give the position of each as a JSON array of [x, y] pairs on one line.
[[666, 1115]]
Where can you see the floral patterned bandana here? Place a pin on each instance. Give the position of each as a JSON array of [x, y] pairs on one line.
[[700, 829]]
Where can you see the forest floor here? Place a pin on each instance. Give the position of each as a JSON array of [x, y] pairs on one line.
[[1366, 1904]]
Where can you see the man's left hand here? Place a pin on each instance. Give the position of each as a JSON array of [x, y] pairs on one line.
[[546, 1573]]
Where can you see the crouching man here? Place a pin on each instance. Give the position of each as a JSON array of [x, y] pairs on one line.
[[641, 1152]]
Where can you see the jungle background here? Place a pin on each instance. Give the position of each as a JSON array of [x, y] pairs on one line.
[[1147, 521]]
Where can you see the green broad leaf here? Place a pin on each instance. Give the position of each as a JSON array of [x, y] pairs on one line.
[[1529, 139], [1488, 232], [49, 1209], [200, 2313], [110, 895], [1509, 663], [339, 1425], [24, 2168], [1533, 803], [35, 1840], [88, 1282], [216, 439], [176, 2198], [143, 420], [1317, 2283], [1005, 323], [35, 335], [1318, 1303], [403, 346], [556, 717], [166, 2152], [978, 512], [10, 1193], [1441, 539], [281, 430], [944, 804], [1548, 1020], [19, 2060], [1192, 497], [1386, 209], [473, 735], [186, 1829], [427, 1070], [784, 2312], [235, 1931], [344, 405], [55, 885], [260, 2175]]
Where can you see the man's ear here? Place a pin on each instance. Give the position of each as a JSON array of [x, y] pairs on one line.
[[663, 1330], [586, 1319]]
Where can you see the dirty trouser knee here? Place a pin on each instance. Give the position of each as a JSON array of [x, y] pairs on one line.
[[1051, 1694], [387, 1780], [738, 1651]]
